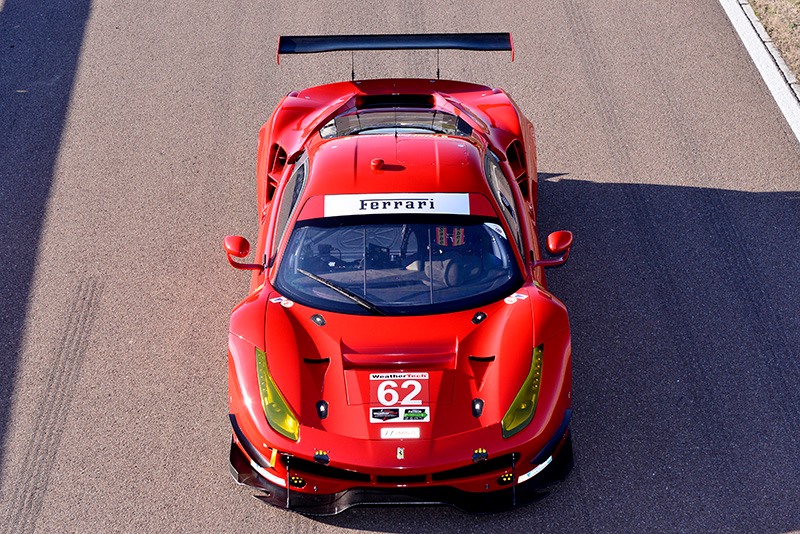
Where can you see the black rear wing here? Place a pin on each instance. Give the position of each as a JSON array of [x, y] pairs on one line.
[[312, 44]]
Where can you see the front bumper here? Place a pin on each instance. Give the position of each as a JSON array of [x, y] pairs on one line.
[[551, 465]]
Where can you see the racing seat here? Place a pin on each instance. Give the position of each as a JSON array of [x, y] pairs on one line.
[[453, 269], [455, 257]]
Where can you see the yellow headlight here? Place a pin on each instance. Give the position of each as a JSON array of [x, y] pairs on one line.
[[279, 415], [521, 411]]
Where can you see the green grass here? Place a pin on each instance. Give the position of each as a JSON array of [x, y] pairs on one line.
[[781, 19]]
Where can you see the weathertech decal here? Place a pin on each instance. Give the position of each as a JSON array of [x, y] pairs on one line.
[[397, 376], [391, 203]]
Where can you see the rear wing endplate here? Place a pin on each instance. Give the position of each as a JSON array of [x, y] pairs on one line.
[[312, 44]]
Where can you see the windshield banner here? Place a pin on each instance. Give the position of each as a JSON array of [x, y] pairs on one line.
[[397, 203]]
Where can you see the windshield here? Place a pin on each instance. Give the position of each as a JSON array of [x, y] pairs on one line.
[[406, 265]]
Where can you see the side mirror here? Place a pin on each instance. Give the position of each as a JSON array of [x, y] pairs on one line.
[[236, 245], [557, 243], [239, 247]]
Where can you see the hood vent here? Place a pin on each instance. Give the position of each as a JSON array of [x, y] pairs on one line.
[[430, 360]]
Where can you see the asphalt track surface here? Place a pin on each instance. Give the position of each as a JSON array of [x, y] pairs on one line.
[[127, 150]]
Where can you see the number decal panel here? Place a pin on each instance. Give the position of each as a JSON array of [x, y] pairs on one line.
[[398, 389]]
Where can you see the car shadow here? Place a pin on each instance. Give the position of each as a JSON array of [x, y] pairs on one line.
[[41, 43], [684, 313]]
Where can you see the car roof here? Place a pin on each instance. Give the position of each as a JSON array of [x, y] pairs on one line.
[[403, 163]]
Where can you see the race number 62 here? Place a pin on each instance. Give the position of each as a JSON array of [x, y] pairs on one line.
[[389, 393]]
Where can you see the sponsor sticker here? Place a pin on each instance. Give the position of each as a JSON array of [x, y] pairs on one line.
[[514, 298], [286, 303], [396, 203], [415, 414], [381, 415], [400, 415], [536, 470], [391, 432]]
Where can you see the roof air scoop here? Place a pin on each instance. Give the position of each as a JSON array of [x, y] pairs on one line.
[[395, 101]]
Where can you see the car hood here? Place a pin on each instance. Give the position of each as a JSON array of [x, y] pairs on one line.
[[380, 375]]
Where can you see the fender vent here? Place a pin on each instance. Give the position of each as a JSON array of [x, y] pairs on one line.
[[277, 159], [518, 164]]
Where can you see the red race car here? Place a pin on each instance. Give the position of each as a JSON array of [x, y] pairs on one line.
[[399, 343]]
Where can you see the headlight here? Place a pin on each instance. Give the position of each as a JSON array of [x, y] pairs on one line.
[[522, 409], [279, 415]]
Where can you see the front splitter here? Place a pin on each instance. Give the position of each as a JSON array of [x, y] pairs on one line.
[[331, 504]]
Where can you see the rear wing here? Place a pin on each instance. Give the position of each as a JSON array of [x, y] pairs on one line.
[[312, 44]]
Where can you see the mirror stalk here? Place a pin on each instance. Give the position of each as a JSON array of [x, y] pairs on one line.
[[558, 242], [245, 266], [237, 246]]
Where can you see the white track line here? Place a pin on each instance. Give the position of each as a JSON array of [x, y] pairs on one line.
[[778, 83]]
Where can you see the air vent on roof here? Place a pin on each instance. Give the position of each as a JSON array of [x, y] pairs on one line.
[[394, 101]]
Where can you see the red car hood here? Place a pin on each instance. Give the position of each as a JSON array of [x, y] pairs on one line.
[[382, 375]]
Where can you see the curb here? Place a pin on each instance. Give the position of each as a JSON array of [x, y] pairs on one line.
[[781, 82]]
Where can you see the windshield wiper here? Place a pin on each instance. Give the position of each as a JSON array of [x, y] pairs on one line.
[[344, 292]]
